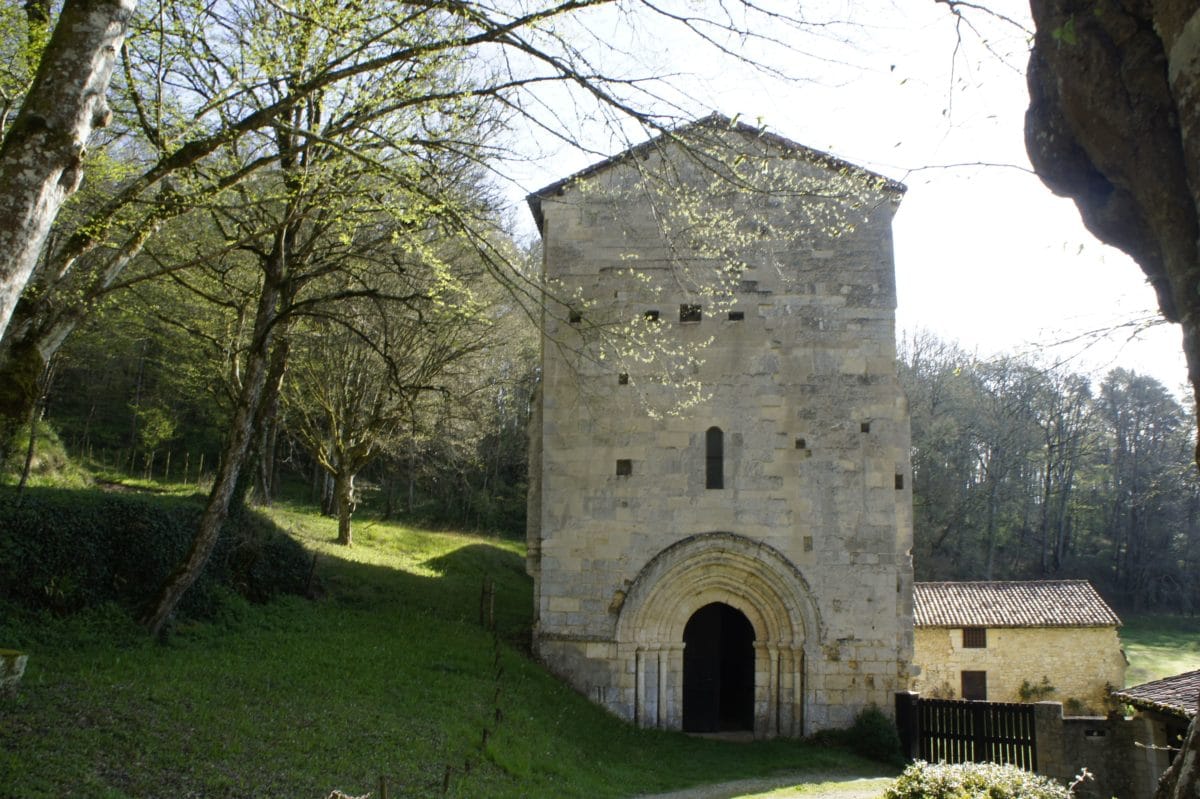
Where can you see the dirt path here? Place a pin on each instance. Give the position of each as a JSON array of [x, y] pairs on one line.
[[807, 786]]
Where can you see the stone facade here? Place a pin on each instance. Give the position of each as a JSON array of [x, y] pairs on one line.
[[1079, 663], [777, 597], [986, 639]]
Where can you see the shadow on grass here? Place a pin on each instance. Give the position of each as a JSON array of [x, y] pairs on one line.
[[390, 675]]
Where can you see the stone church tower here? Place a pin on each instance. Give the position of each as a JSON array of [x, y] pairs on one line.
[[740, 561]]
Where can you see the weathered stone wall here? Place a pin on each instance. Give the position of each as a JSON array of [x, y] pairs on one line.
[[1123, 755], [811, 533], [1081, 663]]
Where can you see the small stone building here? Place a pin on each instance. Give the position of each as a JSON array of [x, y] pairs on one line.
[[742, 563], [1017, 642], [1168, 706]]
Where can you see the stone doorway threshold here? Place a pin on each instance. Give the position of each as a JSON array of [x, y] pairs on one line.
[[733, 736]]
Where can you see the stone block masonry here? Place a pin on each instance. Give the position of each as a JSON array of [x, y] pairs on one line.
[[741, 560]]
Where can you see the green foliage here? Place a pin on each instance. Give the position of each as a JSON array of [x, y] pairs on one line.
[[874, 735], [155, 427], [63, 551], [1035, 692], [972, 781], [51, 465]]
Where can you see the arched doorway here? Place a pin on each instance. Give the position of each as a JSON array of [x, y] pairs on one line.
[[718, 670], [742, 573]]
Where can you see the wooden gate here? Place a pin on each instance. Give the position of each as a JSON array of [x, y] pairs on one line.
[[960, 731]]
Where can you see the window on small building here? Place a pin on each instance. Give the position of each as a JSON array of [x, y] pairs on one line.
[[623, 379], [714, 458], [737, 316], [974, 638], [865, 427], [974, 685], [689, 313], [651, 315], [899, 482], [624, 467], [574, 316]]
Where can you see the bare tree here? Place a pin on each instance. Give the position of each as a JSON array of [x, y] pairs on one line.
[[193, 88]]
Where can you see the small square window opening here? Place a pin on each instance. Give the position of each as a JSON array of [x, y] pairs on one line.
[[690, 313], [974, 685], [624, 467], [651, 316], [575, 317], [974, 638], [623, 379], [865, 427], [737, 316]]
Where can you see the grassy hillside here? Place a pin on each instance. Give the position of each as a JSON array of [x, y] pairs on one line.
[[388, 674], [1160, 646]]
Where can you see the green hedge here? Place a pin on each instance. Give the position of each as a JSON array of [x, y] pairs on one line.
[[66, 550]]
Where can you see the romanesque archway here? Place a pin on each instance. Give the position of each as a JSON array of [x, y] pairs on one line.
[[756, 582]]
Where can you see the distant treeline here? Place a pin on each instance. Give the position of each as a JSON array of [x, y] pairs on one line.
[[1023, 471], [135, 395], [1020, 471]]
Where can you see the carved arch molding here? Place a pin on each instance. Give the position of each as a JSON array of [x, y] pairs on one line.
[[752, 577]]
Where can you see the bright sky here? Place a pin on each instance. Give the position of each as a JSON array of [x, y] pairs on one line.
[[985, 255]]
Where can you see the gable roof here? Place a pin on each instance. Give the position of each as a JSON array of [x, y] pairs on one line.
[[1028, 603], [1175, 696], [716, 121]]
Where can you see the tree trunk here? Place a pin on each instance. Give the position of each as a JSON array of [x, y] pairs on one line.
[[38, 327], [19, 375], [267, 420], [344, 491], [41, 159], [237, 446]]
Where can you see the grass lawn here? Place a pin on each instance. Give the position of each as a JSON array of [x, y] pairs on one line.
[[1160, 646], [389, 674]]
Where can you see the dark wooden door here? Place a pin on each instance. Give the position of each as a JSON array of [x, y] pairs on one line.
[[718, 670]]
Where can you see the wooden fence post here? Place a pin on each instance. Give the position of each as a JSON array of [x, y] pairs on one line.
[[908, 724]]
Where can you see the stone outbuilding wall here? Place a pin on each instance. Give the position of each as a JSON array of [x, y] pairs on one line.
[[987, 639], [1079, 663], [780, 599]]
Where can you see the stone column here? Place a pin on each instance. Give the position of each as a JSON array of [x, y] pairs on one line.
[[771, 656], [660, 720], [639, 688], [671, 680], [799, 700]]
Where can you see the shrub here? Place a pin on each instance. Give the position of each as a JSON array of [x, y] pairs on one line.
[[874, 735], [924, 780], [1035, 692], [66, 550], [50, 466]]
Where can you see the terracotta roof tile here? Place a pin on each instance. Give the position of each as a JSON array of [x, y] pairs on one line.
[[1031, 603], [1176, 696]]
